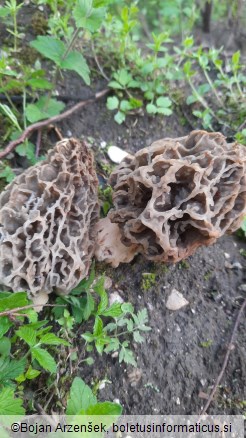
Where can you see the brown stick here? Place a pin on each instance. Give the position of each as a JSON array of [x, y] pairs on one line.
[[30, 306], [228, 351], [30, 129]]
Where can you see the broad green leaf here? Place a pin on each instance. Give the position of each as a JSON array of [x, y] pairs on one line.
[[44, 359], [115, 85], [89, 306], [151, 108], [27, 334], [98, 326], [112, 103], [4, 12], [88, 337], [114, 311], [76, 62], [32, 373], [164, 111], [9, 405], [95, 20], [104, 408], [10, 369], [14, 301], [40, 83], [163, 102], [127, 308], [5, 346], [27, 150], [81, 11], [7, 173], [125, 106], [52, 339], [87, 17], [50, 48], [119, 117], [43, 109], [81, 397], [5, 324]]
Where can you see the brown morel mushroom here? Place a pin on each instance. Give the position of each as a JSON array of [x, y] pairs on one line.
[[174, 196], [47, 216]]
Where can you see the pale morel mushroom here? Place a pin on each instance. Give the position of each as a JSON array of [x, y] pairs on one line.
[[47, 217], [172, 197]]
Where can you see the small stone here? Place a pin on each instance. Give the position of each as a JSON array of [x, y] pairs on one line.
[[203, 382], [115, 298], [69, 133], [227, 256], [242, 287], [107, 283], [176, 300], [102, 385], [228, 265], [237, 265], [103, 144], [116, 154], [116, 400], [178, 328], [115, 354], [177, 401]]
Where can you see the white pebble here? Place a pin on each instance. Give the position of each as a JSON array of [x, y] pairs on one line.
[[176, 300], [116, 154]]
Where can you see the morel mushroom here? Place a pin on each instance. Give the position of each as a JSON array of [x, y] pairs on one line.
[[175, 196], [47, 216]]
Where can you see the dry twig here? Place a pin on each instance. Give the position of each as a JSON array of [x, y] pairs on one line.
[[228, 351], [30, 306], [36, 126]]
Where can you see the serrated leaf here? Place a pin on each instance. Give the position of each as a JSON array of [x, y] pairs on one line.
[[114, 311], [52, 339], [75, 61], [88, 17], [13, 301], [50, 48], [127, 356], [89, 307], [98, 326], [44, 359], [137, 337], [151, 108], [27, 334], [5, 346], [80, 397], [112, 346], [115, 85], [112, 103], [9, 405], [5, 324], [10, 369]]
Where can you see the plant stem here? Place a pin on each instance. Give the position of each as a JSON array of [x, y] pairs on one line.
[[213, 87]]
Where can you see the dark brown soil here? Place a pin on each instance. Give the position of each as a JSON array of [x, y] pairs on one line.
[[183, 354]]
